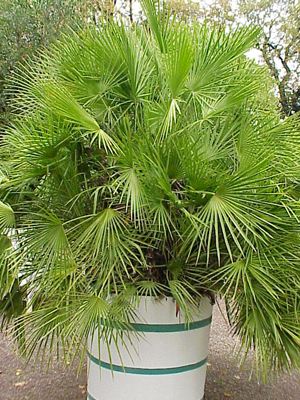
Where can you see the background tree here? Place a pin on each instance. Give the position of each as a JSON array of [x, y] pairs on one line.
[[279, 45], [29, 25]]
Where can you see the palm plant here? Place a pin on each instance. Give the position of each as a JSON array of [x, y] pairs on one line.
[[148, 160]]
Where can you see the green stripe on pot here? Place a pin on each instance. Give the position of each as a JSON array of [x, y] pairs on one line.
[[147, 371], [172, 327], [168, 328]]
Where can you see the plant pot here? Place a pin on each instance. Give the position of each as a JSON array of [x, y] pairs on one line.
[[166, 362]]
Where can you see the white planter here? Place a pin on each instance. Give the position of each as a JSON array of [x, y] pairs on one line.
[[168, 363]]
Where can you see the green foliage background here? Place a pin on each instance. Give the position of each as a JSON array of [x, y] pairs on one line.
[[28, 26]]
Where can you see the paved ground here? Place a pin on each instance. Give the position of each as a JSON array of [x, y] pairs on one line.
[[224, 381]]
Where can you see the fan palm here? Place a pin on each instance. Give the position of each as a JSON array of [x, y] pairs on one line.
[[148, 160]]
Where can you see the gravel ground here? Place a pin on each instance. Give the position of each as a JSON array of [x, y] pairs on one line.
[[225, 381]]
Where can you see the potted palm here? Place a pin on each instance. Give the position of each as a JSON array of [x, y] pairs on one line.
[[145, 171]]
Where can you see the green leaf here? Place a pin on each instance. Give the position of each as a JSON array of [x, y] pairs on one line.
[[7, 216]]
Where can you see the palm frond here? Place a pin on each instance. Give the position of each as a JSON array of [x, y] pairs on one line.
[[7, 217]]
